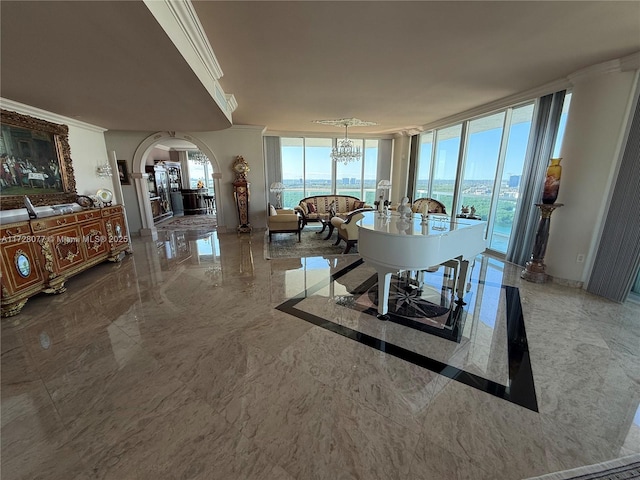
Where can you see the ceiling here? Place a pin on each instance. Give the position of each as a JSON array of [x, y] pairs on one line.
[[400, 64]]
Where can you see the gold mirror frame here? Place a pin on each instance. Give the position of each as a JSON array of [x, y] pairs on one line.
[[63, 152]]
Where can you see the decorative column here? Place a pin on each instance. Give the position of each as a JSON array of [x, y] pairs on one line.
[[144, 202], [534, 270]]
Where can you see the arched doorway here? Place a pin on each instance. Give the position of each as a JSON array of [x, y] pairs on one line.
[[140, 177]]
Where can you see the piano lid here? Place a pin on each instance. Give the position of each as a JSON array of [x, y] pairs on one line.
[[394, 224]]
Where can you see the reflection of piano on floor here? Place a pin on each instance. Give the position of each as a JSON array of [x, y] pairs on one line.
[[391, 245]]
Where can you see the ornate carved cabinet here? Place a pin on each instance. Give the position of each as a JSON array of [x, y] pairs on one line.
[[22, 274], [40, 254]]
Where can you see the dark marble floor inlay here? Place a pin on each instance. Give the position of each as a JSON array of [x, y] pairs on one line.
[[520, 386], [406, 307]]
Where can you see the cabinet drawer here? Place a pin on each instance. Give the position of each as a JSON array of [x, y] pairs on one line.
[[40, 225], [14, 230], [88, 215], [114, 210]]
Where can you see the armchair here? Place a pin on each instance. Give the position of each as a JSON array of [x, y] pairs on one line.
[[433, 206], [347, 229], [284, 221]]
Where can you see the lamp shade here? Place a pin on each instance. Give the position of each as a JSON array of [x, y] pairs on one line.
[[384, 185], [276, 187]]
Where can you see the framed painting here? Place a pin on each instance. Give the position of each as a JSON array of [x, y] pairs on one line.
[[123, 173], [35, 160]]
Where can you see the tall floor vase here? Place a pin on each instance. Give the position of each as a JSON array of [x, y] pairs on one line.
[[535, 269], [552, 182]]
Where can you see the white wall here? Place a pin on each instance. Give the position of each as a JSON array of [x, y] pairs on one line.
[[226, 145], [590, 152], [86, 142], [124, 144]]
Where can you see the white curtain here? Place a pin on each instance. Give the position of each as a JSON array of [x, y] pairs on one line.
[[618, 257], [273, 156], [541, 142]]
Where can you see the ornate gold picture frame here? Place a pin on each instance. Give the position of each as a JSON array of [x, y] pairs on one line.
[[35, 160]]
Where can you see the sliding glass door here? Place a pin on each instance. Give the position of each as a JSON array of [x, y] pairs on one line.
[[445, 165], [508, 190], [480, 163]]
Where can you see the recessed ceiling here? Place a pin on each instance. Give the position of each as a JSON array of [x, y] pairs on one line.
[[399, 64]]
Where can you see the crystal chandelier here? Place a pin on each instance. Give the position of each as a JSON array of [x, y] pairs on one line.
[[104, 170], [198, 157], [345, 150]]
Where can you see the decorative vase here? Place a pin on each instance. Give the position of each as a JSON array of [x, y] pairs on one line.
[[552, 182]]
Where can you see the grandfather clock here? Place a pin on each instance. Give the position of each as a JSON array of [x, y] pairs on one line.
[[241, 193]]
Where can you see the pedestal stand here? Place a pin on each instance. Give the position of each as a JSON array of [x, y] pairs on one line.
[[241, 194], [534, 270]]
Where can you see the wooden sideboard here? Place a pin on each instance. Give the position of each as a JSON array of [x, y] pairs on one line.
[[39, 255]]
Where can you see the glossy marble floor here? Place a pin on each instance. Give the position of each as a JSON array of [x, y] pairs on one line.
[[197, 358]]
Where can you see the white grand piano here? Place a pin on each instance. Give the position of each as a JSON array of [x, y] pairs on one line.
[[392, 245]]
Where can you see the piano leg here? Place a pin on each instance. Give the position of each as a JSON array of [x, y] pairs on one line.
[[384, 282], [462, 280]]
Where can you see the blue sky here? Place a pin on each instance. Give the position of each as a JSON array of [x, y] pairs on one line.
[[482, 152]]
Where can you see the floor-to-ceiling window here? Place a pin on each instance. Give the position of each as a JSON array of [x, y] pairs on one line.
[[423, 169], [445, 165], [481, 163], [349, 176], [562, 125], [200, 171], [509, 177], [292, 151], [307, 169], [494, 150], [318, 167], [369, 172], [358, 179]]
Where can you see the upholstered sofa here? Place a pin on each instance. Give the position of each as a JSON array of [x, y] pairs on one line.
[[321, 208]]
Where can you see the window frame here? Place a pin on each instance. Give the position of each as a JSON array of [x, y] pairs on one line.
[[462, 158]]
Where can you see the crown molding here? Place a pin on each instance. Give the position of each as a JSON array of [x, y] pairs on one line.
[[181, 14], [338, 135], [617, 65], [231, 102], [630, 62], [259, 128], [604, 68], [48, 116], [180, 22]]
